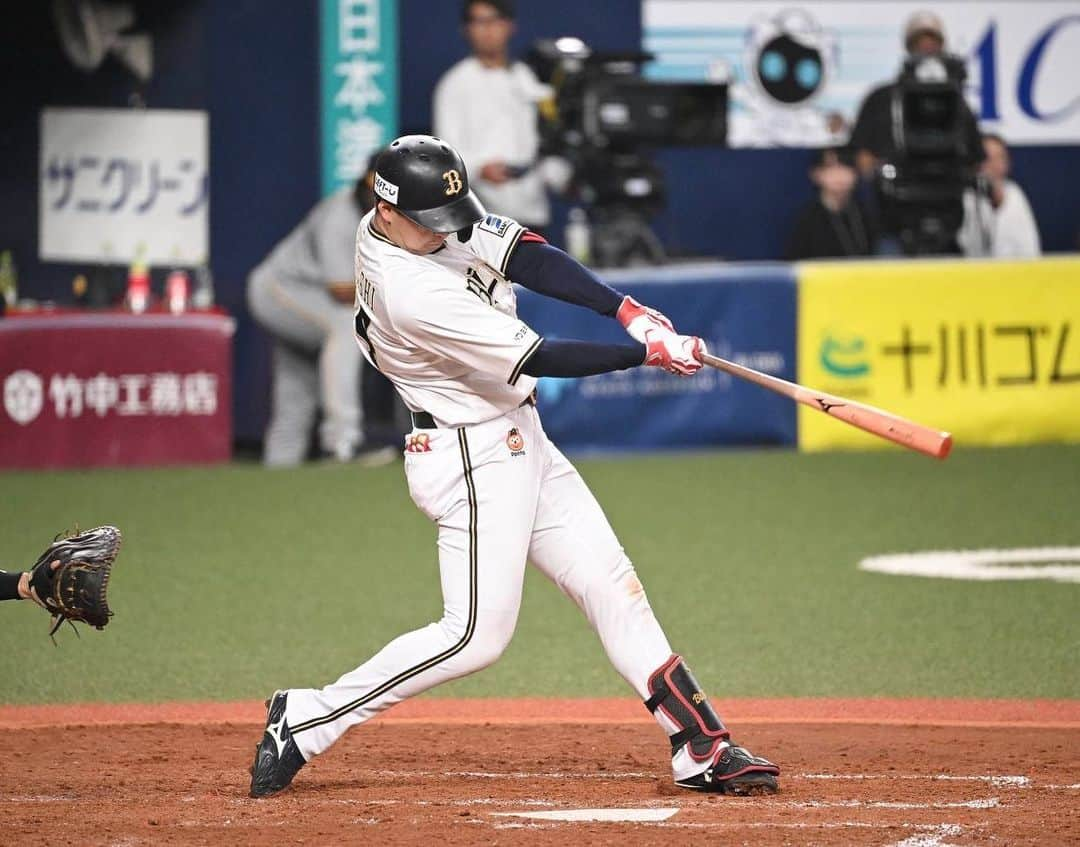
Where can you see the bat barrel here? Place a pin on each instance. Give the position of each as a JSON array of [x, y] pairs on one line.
[[930, 442], [924, 439]]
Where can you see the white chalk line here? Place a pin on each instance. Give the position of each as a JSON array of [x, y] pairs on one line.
[[928, 831], [484, 801], [988, 803], [933, 838], [522, 774], [997, 781], [618, 814], [930, 834], [1000, 781]]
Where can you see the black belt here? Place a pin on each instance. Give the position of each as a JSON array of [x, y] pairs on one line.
[[423, 420]]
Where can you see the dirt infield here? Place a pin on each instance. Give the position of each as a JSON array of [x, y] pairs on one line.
[[909, 773]]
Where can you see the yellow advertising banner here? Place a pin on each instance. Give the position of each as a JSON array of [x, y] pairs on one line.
[[988, 350]]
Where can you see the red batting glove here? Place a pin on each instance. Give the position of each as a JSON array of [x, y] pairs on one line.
[[637, 319], [677, 354]]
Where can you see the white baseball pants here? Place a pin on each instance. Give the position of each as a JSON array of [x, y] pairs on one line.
[[501, 493]]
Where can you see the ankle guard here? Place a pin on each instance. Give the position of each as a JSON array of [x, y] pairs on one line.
[[676, 693]]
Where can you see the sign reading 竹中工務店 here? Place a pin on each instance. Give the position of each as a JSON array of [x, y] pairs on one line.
[[799, 70], [359, 84], [115, 183]]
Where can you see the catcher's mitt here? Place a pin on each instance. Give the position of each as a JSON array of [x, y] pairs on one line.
[[71, 578]]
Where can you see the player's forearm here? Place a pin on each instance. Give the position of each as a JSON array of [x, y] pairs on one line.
[[549, 271], [9, 585], [582, 358]]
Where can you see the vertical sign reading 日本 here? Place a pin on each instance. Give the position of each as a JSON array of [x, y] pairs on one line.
[[116, 182], [358, 83]]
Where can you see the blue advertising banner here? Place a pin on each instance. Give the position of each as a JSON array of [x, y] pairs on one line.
[[745, 314], [359, 85]]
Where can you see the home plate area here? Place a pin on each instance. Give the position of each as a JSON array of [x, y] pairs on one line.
[[557, 784]]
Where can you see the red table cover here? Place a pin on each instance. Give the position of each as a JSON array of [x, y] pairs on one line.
[[111, 388]]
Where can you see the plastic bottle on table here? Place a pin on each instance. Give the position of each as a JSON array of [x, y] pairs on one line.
[[177, 287], [138, 287], [9, 281], [203, 295]]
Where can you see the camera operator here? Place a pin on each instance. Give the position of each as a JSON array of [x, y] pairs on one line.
[[918, 139]]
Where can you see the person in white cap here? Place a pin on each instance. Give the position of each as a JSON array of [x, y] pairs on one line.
[[874, 138]]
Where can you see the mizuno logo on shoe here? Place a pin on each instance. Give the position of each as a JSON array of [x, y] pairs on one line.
[[274, 731]]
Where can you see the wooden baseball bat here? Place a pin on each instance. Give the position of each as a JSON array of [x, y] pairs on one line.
[[877, 422]]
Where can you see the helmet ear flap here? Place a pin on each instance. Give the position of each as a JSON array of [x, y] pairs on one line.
[[465, 234]]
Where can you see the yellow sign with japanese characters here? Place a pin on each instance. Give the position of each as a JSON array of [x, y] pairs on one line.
[[988, 350]]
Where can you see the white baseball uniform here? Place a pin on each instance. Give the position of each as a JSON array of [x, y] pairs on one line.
[[443, 327], [315, 357]]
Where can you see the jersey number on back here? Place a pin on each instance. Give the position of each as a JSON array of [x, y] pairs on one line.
[[362, 322]]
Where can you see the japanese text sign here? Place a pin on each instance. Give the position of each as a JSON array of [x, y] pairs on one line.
[[798, 71], [114, 181], [112, 389], [989, 351], [359, 83]]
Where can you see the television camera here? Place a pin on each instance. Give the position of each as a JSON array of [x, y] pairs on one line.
[[605, 118], [922, 187]]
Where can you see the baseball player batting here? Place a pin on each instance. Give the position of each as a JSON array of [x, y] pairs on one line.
[[436, 313]]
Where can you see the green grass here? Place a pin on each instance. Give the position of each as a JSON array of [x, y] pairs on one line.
[[236, 580]]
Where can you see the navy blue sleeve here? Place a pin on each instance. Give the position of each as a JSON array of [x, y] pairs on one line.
[[9, 585], [549, 271], [581, 358]]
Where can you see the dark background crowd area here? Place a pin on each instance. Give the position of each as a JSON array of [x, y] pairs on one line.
[[253, 65]]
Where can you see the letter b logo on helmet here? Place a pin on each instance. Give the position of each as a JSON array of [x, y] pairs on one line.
[[426, 180], [453, 182]]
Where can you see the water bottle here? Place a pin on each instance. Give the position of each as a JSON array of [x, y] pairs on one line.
[[9, 283], [176, 290], [80, 289], [577, 235], [138, 287], [203, 295]]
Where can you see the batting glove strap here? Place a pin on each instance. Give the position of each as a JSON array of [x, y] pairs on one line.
[[677, 354], [637, 319]]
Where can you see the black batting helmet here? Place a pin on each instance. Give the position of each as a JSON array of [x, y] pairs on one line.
[[425, 179]]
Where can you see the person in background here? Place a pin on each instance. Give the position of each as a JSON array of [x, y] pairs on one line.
[[833, 224], [302, 294], [876, 146], [997, 217], [872, 137], [486, 106]]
